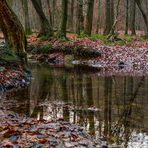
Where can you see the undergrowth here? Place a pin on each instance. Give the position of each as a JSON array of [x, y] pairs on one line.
[[8, 54]]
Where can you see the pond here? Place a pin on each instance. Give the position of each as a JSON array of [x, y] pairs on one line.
[[112, 108]]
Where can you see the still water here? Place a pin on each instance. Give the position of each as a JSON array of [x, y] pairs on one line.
[[113, 108]]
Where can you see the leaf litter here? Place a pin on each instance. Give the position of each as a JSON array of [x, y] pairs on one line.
[[22, 131]]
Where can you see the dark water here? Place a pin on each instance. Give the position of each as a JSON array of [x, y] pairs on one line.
[[114, 108]]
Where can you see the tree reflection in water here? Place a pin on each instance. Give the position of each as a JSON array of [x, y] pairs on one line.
[[112, 107]]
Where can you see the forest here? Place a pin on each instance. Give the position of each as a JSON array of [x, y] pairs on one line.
[[74, 73]]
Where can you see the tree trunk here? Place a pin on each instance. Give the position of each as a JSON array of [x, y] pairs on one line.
[[50, 14], [138, 2], [133, 15], [72, 15], [62, 32], [127, 11], [26, 15], [89, 17], [112, 35], [99, 16], [53, 11], [79, 17], [46, 28], [109, 16], [13, 30]]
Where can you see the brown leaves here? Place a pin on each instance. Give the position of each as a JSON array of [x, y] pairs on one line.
[[40, 133]]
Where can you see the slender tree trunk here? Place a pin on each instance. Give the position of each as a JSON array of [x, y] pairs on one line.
[[13, 30], [112, 15], [89, 18], [62, 32], [127, 11], [53, 11], [138, 2], [72, 15], [46, 28], [79, 17], [49, 10], [26, 15], [99, 16], [133, 15], [109, 16], [112, 36]]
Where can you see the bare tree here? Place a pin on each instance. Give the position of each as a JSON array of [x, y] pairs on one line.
[[62, 32], [112, 35], [89, 17], [127, 17], [79, 17], [133, 17], [109, 16], [139, 4], [26, 15], [46, 28]]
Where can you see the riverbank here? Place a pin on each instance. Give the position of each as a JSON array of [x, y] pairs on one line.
[[130, 58], [13, 75]]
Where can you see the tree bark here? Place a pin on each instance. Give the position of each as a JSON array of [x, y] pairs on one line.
[[127, 16], [50, 14], [46, 28], [79, 17], [109, 16], [112, 36], [138, 2], [89, 17], [26, 15], [72, 15], [99, 16], [62, 32], [133, 15], [13, 30], [53, 11]]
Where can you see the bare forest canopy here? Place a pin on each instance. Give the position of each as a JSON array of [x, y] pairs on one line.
[[87, 16]]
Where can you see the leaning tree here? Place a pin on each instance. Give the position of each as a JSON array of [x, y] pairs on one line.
[[13, 31]]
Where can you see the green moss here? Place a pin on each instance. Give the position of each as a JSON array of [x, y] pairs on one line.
[[68, 60], [145, 38], [63, 39], [82, 35], [9, 55], [39, 49], [128, 38], [95, 37], [121, 40], [44, 37]]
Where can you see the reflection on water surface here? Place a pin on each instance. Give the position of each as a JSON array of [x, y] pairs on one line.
[[113, 108]]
